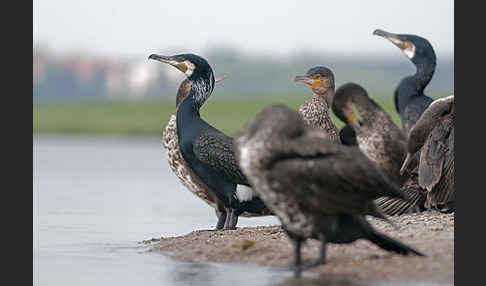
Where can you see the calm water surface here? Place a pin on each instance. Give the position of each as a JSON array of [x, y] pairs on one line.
[[96, 198]]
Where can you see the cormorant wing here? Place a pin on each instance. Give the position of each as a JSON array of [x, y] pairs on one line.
[[437, 154], [329, 178], [216, 149]]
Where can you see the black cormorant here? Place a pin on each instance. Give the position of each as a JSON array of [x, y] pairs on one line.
[[318, 188], [410, 100], [207, 151], [178, 165], [315, 110], [378, 137]]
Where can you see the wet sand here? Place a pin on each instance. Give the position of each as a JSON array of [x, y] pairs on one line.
[[359, 263]]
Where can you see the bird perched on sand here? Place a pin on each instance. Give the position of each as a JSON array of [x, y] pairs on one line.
[[317, 187], [378, 137], [315, 110], [207, 151], [174, 157], [433, 135], [410, 100]]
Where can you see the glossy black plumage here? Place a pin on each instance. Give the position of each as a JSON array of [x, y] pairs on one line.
[[410, 100], [318, 188], [207, 151]]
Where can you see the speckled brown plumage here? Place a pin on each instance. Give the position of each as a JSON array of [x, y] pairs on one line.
[[315, 112], [378, 137]]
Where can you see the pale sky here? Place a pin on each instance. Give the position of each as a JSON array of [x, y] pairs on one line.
[[278, 27]]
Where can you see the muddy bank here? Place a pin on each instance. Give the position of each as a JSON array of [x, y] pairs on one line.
[[356, 264]]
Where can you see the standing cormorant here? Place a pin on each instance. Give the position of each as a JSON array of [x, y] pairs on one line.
[[178, 165], [378, 137], [410, 101], [433, 135], [315, 110], [318, 188], [207, 151]]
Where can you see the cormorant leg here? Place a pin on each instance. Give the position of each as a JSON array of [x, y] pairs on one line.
[[228, 216], [322, 256], [233, 220], [221, 220], [297, 258]]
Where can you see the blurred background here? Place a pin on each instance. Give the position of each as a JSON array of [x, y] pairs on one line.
[[91, 73], [101, 179]]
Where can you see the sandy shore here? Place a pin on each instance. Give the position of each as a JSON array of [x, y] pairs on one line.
[[351, 264]]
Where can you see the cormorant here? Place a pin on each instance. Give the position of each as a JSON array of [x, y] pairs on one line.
[[433, 135], [430, 184], [174, 157], [378, 137], [410, 101], [318, 188], [315, 110], [209, 152]]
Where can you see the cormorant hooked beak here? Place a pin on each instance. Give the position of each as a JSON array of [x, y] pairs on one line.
[[312, 82], [407, 162], [406, 46], [171, 60]]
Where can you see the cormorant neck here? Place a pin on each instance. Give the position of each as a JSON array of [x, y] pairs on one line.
[[328, 96], [201, 89], [424, 73], [413, 86]]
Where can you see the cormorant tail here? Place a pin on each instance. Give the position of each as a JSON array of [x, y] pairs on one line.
[[394, 206], [391, 244]]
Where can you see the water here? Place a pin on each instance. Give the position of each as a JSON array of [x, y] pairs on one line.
[[96, 198]]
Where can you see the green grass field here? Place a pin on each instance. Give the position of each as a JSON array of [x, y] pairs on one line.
[[148, 117]]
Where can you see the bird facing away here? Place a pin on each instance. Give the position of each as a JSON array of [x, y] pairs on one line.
[[318, 188], [410, 101], [378, 137], [207, 151], [433, 135], [315, 110]]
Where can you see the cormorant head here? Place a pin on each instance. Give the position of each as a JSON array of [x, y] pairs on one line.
[[320, 79], [416, 48], [197, 70], [342, 104]]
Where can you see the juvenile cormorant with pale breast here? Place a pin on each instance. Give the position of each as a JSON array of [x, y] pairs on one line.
[[207, 151], [318, 188], [315, 110]]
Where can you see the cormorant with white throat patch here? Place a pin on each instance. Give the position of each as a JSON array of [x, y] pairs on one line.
[[410, 100], [207, 151]]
